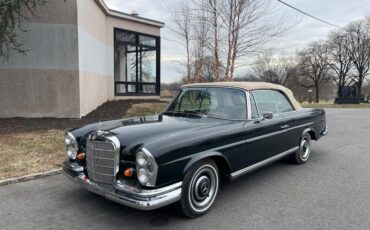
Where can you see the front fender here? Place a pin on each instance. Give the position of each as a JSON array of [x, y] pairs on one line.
[[174, 171], [222, 162]]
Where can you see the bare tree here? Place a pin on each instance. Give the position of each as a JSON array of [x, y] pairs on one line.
[[201, 29], [313, 64], [340, 61], [183, 24], [208, 71], [270, 68], [234, 29], [359, 50], [247, 27], [12, 14], [212, 9]]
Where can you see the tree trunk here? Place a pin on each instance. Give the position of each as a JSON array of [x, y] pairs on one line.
[[216, 54], [339, 91], [188, 64], [228, 69], [359, 90], [317, 93]]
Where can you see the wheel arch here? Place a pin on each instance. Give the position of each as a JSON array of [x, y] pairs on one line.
[[311, 132], [221, 161]]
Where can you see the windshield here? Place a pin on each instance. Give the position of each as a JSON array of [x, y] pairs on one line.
[[226, 103]]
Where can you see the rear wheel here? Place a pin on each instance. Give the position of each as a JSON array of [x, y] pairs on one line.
[[200, 187], [302, 155]]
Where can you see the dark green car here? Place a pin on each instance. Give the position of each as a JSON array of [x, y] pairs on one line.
[[208, 132]]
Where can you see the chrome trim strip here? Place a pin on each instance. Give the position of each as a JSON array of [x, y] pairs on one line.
[[240, 142], [277, 132], [263, 163], [249, 106]]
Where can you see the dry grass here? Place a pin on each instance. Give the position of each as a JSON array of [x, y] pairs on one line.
[[143, 109], [24, 152], [31, 152]]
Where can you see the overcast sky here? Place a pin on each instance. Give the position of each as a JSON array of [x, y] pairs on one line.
[[338, 12]]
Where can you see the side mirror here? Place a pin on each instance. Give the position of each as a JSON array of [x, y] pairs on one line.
[[268, 115]]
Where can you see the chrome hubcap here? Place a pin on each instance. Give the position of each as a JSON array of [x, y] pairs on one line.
[[305, 148], [203, 188]]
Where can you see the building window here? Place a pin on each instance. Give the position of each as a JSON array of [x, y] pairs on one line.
[[136, 63]]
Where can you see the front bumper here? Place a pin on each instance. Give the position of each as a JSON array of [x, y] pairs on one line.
[[325, 131], [120, 192]]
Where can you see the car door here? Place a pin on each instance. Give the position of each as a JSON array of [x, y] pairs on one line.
[[265, 137], [294, 120]]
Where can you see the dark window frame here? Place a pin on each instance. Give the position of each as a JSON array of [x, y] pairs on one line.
[[138, 83]]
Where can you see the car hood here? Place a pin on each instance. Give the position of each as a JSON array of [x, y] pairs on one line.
[[153, 131], [136, 132]]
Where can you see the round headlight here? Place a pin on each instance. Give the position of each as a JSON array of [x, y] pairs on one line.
[[72, 145], [143, 175], [69, 139], [141, 159], [146, 167], [72, 152]]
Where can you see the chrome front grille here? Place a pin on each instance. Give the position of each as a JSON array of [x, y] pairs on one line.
[[102, 160]]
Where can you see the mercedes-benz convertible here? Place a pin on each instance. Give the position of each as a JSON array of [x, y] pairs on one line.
[[209, 132]]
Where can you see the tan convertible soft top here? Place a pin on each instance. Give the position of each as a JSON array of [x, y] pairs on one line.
[[251, 86]]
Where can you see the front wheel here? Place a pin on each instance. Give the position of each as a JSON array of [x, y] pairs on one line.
[[200, 187], [302, 155]]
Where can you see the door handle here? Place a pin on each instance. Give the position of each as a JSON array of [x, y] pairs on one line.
[[284, 126]]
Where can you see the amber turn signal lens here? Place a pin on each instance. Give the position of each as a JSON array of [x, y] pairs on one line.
[[80, 156], [128, 172]]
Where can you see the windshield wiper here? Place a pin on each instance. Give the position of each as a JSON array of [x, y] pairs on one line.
[[185, 112]]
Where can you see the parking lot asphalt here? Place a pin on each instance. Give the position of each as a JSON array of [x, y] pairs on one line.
[[330, 191]]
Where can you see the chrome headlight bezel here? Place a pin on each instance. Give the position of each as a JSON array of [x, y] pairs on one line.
[[146, 168], [71, 145]]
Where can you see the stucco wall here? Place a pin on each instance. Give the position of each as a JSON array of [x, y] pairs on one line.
[[44, 82], [69, 70], [38, 93], [96, 53]]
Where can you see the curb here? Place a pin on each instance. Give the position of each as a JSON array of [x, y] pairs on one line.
[[32, 176]]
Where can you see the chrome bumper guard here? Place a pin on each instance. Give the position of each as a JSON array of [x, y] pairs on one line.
[[325, 131], [143, 199]]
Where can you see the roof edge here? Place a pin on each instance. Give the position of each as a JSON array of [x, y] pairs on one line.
[[119, 14]]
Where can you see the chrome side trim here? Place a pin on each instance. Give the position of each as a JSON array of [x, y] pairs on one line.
[[239, 143], [249, 106], [263, 163], [277, 132]]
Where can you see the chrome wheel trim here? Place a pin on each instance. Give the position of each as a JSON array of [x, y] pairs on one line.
[[305, 147], [203, 188]]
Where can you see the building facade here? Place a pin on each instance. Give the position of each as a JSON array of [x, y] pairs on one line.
[[81, 54]]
